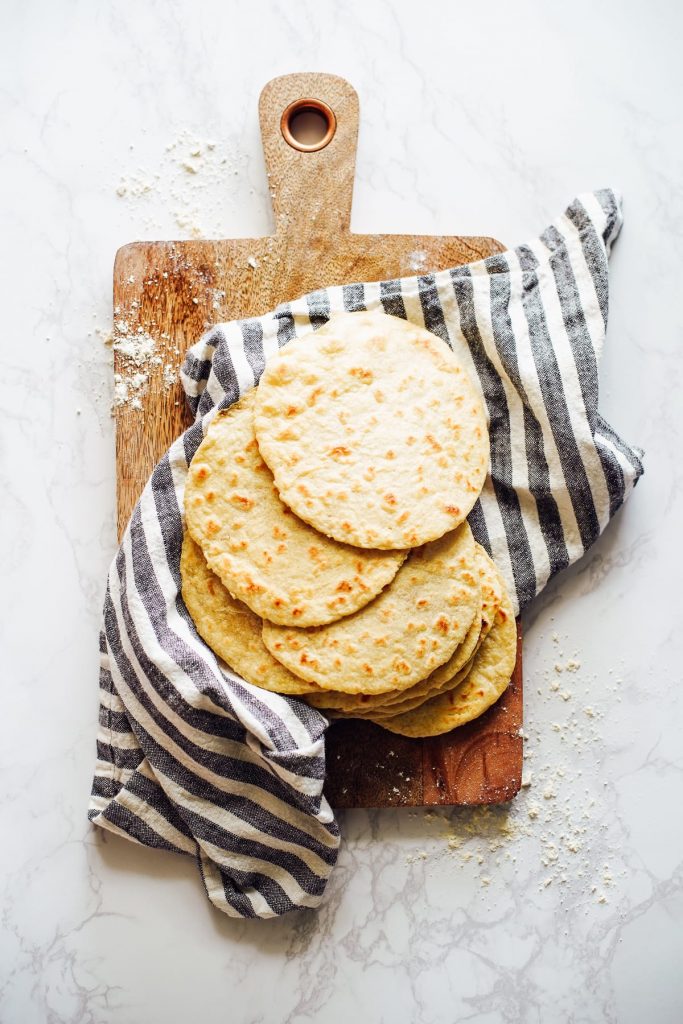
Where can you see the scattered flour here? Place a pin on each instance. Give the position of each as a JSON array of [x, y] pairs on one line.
[[189, 179], [417, 260], [170, 376], [137, 357], [559, 828]]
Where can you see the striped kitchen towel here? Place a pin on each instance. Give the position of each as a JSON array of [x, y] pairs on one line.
[[190, 757]]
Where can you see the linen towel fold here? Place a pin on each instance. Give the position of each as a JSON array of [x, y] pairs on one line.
[[190, 757]]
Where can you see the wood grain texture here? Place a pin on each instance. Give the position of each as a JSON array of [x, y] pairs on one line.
[[175, 290]]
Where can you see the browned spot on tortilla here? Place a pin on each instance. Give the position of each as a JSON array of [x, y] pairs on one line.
[[241, 501], [362, 373]]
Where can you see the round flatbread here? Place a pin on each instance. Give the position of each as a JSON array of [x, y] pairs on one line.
[[374, 431], [384, 713], [230, 629], [364, 704], [492, 589], [268, 558], [393, 710], [446, 676], [404, 634], [488, 678]]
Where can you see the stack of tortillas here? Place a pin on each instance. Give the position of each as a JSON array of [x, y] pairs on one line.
[[327, 552]]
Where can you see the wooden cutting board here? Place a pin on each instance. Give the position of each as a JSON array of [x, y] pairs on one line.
[[174, 290]]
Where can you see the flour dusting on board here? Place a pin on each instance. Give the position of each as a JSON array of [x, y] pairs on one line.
[[417, 260], [138, 357], [189, 178]]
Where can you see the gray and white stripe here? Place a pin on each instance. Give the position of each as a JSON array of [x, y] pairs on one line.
[[193, 759]]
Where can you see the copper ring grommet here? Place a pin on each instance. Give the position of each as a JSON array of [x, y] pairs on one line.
[[298, 107]]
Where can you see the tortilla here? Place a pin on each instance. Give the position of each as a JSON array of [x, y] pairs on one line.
[[450, 675], [488, 678], [393, 702], [414, 625], [279, 566], [230, 629], [374, 431]]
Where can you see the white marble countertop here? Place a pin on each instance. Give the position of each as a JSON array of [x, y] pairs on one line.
[[487, 119]]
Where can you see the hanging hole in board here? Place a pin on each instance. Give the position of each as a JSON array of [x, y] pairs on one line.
[[308, 125]]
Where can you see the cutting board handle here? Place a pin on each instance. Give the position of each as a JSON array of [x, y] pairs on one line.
[[311, 191]]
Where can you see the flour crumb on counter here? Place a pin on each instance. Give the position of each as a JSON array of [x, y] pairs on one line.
[[187, 178], [412, 858], [558, 833]]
